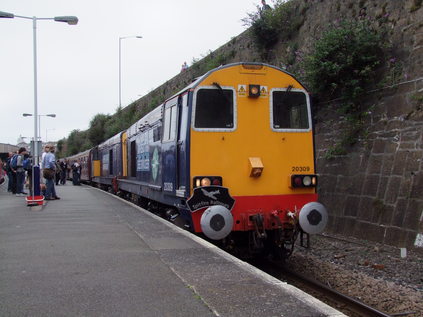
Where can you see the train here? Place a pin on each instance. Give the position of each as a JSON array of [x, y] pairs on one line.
[[230, 157]]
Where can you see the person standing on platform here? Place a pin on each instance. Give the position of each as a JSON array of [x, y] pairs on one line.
[[49, 164], [46, 150], [20, 173], [58, 173], [76, 173], [64, 168]]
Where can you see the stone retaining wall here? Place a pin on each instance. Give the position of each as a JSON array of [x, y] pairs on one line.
[[375, 192]]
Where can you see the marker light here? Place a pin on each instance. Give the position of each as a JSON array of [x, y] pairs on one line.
[[298, 182], [217, 182], [254, 91], [303, 181], [207, 181], [307, 181]]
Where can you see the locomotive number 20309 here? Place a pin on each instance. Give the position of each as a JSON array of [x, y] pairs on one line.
[[301, 169]]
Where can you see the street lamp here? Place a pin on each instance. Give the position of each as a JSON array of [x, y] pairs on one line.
[[120, 63], [53, 115], [71, 20]]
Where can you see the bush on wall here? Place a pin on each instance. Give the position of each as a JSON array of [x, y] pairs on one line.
[[269, 26], [342, 63]]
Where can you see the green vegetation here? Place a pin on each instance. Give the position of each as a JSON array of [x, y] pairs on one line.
[[278, 24], [341, 65], [343, 62], [101, 128]]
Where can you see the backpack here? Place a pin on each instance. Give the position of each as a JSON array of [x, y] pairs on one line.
[[26, 164], [14, 161]]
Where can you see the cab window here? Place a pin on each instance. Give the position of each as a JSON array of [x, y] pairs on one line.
[[289, 110], [214, 109]]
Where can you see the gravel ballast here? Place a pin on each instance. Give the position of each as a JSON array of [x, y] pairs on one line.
[[377, 275]]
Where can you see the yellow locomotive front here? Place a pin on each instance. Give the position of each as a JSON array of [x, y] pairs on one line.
[[251, 132]]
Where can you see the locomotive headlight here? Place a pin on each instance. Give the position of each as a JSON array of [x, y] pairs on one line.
[[205, 181], [254, 91], [307, 181], [201, 181], [303, 181]]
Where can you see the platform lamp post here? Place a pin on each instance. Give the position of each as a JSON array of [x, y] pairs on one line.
[[71, 20], [120, 63], [52, 115]]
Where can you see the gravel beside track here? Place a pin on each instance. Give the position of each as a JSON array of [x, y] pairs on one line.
[[373, 273]]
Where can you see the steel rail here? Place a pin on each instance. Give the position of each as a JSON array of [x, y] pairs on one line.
[[352, 303]]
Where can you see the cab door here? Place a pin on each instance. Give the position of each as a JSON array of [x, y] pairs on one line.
[[169, 145], [182, 186]]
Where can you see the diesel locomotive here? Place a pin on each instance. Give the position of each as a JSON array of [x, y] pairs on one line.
[[229, 157]]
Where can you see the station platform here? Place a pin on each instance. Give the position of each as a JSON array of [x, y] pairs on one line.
[[93, 254]]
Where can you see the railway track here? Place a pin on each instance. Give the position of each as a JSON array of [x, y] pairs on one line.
[[348, 305]]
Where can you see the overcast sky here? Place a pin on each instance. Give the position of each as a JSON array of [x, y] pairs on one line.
[[78, 66]]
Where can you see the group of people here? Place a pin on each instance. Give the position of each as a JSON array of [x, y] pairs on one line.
[[18, 168], [15, 167]]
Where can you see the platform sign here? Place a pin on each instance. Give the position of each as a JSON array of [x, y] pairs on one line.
[[40, 147]]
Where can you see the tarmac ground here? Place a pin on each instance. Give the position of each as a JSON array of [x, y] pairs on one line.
[[94, 254]]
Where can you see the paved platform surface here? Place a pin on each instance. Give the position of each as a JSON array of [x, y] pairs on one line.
[[92, 254]]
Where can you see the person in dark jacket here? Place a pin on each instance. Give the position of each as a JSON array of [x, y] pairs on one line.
[[76, 173], [265, 7], [20, 173], [58, 173], [64, 169]]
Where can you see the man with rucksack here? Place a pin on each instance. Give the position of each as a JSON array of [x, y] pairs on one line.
[[49, 165], [17, 165]]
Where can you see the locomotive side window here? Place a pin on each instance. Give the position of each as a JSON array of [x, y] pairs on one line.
[[214, 109], [170, 121], [133, 159], [111, 161], [156, 134], [289, 110]]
